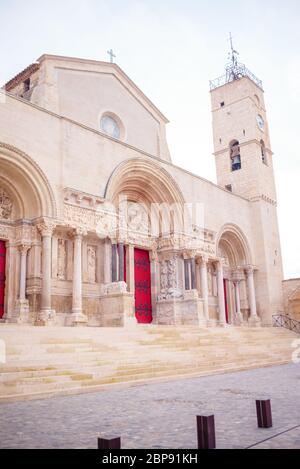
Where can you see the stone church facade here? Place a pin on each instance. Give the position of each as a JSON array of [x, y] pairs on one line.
[[99, 228]]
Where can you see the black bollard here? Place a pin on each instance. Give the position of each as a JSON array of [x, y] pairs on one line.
[[109, 443], [264, 414], [206, 432]]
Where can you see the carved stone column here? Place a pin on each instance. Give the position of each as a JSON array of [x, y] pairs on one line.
[[130, 268], [187, 282], [204, 285], [121, 262], [254, 320], [193, 272], [21, 311], [221, 297], [154, 282], [114, 262], [77, 317], [46, 315], [107, 261], [238, 320]]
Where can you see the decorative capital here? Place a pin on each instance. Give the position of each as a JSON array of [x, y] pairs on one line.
[[220, 263], [153, 256], [24, 248], [249, 270], [189, 254], [204, 260], [46, 228], [79, 232]]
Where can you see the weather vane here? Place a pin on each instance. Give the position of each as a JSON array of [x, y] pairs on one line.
[[112, 55], [233, 69]]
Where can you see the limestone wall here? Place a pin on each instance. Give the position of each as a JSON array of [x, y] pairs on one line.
[[291, 296]]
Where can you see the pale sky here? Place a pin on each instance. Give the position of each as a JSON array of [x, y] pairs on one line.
[[171, 49]]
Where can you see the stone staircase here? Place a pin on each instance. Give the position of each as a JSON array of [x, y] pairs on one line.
[[42, 362]]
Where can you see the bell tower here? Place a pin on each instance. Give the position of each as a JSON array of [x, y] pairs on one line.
[[242, 146], [244, 165]]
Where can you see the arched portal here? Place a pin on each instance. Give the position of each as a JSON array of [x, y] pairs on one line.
[[233, 247], [150, 187], [25, 195], [25, 184], [153, 209]]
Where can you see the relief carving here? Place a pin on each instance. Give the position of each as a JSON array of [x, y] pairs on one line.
[[168, 280], [137, 218], [91, 264], [62, 259], [5, 205]]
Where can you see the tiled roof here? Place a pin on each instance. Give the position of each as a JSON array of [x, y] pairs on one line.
[[22, 76]]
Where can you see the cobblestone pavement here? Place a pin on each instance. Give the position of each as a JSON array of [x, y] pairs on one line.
[[162, 415]]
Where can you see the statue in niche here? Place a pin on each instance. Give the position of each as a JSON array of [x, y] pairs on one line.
[[5, 205], [91, 264], [137, 218], [62, 259]]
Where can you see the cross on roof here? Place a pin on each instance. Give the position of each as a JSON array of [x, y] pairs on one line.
[[112, 56]]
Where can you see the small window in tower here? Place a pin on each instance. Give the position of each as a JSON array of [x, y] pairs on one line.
[[222, 104], [235, 155], [220, 140], [228, 187], [244, 132], [26, 85], [263, 152]]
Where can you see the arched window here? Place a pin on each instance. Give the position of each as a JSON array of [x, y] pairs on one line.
[[263, 152], [235, 155]]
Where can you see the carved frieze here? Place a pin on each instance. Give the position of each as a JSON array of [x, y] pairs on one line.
[[102, 222]]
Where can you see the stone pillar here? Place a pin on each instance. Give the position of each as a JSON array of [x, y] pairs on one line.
[[114, 260], [107, 273], [254, 320], [193, 272], [221, 298], [154, 282], [238, 314], [130, 268], [121, 262], [46, 315], [204, 286], [23, 259], [187, 274], [21, 311], [77, 316]]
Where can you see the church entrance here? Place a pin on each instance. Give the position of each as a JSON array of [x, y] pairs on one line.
[[226, 301], [142, 276], [2, 276]]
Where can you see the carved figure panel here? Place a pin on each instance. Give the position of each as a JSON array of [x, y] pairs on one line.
[[5, 205], [91, 264], [61, 259]]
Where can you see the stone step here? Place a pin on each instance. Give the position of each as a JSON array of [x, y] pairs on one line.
[[50, 361]]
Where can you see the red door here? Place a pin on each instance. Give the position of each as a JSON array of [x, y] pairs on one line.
[[226, 301], [142, 276], [2, 276]]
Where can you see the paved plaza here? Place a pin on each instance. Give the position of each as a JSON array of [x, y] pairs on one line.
[[162, 415]]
